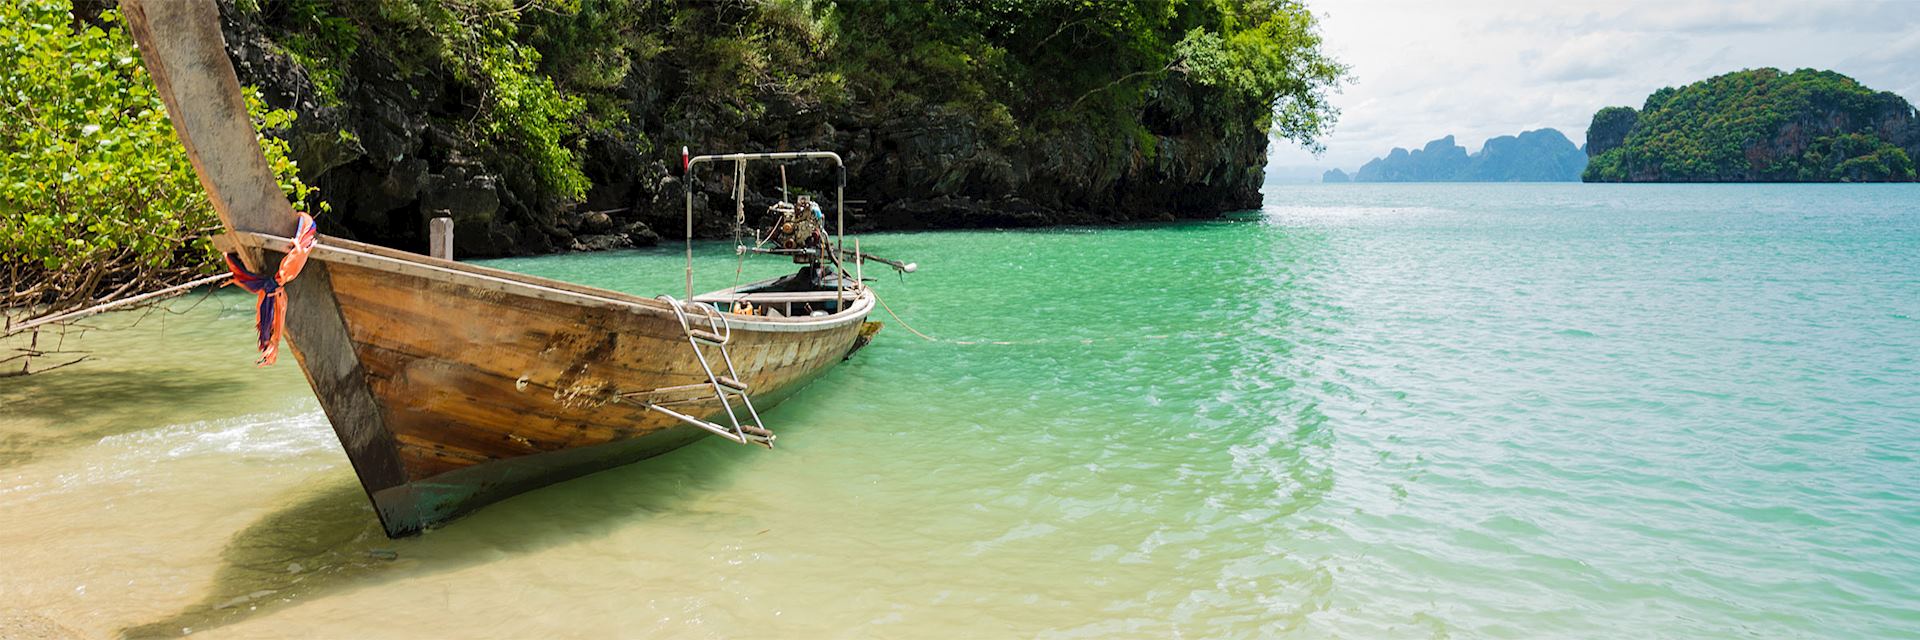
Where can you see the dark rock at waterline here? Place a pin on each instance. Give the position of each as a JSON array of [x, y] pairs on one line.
[[600, 242], [594, 222]]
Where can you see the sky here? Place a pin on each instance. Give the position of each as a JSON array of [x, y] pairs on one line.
[[1478, 69]]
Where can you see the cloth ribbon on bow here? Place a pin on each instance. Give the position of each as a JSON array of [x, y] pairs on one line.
[[270, 313]]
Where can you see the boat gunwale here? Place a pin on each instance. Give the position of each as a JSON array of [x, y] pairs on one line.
[[341, 250]]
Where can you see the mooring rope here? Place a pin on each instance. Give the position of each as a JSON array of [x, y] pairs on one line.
[[896, 318], [923, 336], [739, 218]]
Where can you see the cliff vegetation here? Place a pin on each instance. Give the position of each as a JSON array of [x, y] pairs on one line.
[[544, 126]]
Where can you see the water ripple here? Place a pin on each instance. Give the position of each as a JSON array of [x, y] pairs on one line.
[[1376, 411]]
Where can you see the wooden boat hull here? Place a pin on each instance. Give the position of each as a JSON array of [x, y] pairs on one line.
[[452, 386]]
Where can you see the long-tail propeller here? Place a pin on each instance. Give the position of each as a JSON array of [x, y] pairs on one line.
[[906, 267]]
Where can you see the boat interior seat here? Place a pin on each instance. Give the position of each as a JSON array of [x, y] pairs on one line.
[[776, 303]]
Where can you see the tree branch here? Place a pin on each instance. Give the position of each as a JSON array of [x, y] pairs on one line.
[[1175, 64]]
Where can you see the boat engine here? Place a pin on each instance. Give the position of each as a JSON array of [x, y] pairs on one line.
[[800, 228]]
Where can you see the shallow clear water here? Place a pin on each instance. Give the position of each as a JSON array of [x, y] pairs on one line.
[[1364, 411]]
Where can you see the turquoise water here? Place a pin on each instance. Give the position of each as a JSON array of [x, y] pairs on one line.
[[1363, 411]]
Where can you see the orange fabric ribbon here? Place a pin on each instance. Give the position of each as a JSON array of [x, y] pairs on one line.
[[270, 309]]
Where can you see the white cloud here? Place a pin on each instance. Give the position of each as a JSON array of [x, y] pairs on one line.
[[1602, 55], [1485, 68]]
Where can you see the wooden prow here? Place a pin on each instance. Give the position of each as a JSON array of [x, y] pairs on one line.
[[181, 45], [190, 69], [452, 386]]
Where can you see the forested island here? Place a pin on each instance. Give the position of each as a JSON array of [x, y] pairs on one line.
[[1541, 155], [543, 130], [543, 127], [1758, 125]]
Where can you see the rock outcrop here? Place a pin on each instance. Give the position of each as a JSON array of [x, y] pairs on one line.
[[1335, 176], [1609, 129]]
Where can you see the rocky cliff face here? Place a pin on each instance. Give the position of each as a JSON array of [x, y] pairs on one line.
[[1543, 155], [1609, 129], [1758, 125], [387, 139]]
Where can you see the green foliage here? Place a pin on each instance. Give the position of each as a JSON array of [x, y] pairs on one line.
[[1759, 124], [1100, 66], [520, 108], [1860, 158], [1615, 117], [528, 113], [1606, 167], [520, 113], [322, 44], [95, 188], [592, 52], [1271, 56]]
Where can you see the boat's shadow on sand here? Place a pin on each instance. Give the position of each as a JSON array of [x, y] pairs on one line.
[[328, 540]]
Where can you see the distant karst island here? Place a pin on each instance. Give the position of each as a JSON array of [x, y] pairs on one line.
[[1758, 125], [1541, 155]]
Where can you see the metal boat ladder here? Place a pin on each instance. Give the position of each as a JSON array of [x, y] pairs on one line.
[[716, 334]]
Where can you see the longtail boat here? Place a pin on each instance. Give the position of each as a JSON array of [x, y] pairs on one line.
[[452, 385]]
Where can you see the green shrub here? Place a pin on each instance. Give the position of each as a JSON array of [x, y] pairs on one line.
[[97, 196]]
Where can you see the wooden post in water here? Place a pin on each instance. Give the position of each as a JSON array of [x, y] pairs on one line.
[[440, 238]]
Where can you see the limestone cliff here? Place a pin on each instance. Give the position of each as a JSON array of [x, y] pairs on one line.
[[400, 121]]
